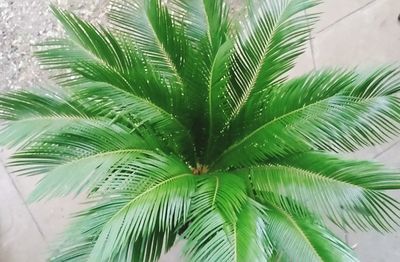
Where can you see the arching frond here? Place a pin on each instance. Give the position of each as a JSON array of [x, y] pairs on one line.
[[297, 234], [207, 22], [28, 115], [161, 206], [153, 30], [101, 56], [214, 214], [333, 121], [272, 37], [78, 159], [139, 221], [367, 174], [218, 109], [345, 200]]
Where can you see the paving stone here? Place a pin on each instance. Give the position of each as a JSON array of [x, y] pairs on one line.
[[174, 254], [335, 10], [304, 63], [368, 38], [52, 215], [20, 239], [372, 246]]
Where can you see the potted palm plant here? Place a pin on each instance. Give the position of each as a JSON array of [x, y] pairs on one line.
[[177, 122]]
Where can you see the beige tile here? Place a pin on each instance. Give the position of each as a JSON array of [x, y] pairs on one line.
[[372, 246], [391, 157], [367, 38], [304, 63], [54, 215], [375, 247], [20, 239], [333, 11], [370, 153], [174, 254]]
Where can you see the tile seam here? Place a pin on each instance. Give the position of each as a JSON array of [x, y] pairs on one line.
[[328, 27], [37, 225]]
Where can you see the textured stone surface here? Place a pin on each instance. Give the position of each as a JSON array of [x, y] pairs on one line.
[[25, 23]]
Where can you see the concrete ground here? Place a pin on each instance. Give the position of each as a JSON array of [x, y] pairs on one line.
[[350, 33]]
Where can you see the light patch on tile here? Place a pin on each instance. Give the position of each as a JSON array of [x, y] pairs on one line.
[[20, 239], [333, 11], [368, 38], [304, 63]]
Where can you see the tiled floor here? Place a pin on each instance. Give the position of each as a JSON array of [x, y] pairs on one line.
[[351, 32]]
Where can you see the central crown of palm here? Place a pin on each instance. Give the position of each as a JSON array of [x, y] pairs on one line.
[[180, 124]]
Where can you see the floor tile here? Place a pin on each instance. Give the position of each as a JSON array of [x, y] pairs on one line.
[[53, 215], [391, 157], [370, 153], [368, 38], [174, 255], [333, 11], [304, 63], [20, 239], [372, 246]]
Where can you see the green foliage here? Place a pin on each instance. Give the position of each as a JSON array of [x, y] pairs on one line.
[[178, 123]]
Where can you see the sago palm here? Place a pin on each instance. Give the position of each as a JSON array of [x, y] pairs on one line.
[[178, 123]]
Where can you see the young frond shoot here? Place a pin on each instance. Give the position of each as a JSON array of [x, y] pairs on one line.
[[179, 123]]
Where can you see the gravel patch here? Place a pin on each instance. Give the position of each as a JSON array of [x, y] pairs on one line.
[[25, 23]]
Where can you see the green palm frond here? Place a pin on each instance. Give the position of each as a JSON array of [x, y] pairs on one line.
[[99, 55], [179, 123], [162, 205], [108, 227], [271, 38], [160, 37], [77, 159], [297, 234], [28, 115], [207, 22], [224, 225], [336, 120], [341, 200]]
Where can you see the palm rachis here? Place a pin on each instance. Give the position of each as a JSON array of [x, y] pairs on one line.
[[179, 122]]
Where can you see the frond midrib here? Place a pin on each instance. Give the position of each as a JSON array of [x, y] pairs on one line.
[[215, 191], [253, 81], [166, 56], [176, 177], [350, 98], [316, 175], [97, 155], [296, 226], [243, 140], [57, 117]]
